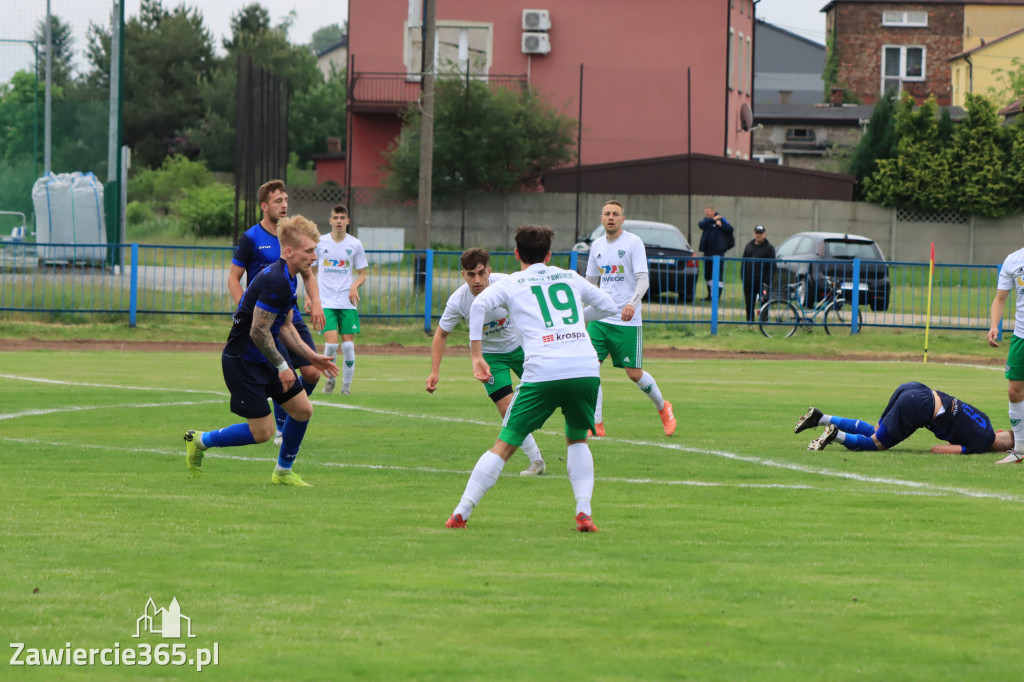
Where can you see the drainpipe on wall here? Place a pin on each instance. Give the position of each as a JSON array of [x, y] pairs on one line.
[[728, 67], [970, 74], [753, 75]]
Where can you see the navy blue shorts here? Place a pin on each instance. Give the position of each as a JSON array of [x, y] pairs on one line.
[[910, 408], [294, 359], [250, 384]]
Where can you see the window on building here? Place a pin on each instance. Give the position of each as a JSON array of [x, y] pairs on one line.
[[457, 44], [899, 64], [800, 135], [771, 159], [750, 66], [740, 62], [901, 18], [729, 58]]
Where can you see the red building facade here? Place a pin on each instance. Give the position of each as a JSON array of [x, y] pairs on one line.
[[624, 65]]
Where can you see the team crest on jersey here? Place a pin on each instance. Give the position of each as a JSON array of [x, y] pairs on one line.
[[612, 269], [348, 251], [621, 253]]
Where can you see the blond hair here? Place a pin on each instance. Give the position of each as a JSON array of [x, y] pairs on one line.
[[291, 230]]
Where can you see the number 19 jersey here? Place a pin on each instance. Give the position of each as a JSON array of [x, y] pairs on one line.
[[547, 305]]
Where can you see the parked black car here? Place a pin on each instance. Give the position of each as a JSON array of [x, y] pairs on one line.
[[670, 260], [816, 257]]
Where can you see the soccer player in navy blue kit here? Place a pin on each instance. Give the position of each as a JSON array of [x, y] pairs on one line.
[[257, 248], [255, 366], [912, 406]]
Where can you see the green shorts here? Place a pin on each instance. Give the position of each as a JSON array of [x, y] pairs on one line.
[[533, 403], [341, 320], [624, 344], [502, 365], [1015, 359]]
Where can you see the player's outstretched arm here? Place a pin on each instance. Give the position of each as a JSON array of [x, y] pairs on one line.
[[995, 317], [290, 336], [437, 347], [481, 370], [947, 449], [263, 339]]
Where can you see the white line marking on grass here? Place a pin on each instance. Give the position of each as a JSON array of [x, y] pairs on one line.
[[123, 388], [927, 488], [57, 410]]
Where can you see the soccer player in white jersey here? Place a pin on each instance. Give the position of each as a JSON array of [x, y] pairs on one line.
[[560, 370], [501, 349], [339, 255], [1011, 278], [618, 261]]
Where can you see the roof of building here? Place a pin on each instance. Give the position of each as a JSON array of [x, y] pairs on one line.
[[833, 3], [984, 45], [789, 34], [845, 115], [343, 43]]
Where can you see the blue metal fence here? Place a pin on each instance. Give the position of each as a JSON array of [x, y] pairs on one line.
[[416, 284]]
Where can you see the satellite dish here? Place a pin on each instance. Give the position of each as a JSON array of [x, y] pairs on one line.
[[746, 117]]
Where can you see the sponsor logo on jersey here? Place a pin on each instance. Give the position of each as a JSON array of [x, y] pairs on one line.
[[494, 325], [558, 337], [333, 262], [611, 269]]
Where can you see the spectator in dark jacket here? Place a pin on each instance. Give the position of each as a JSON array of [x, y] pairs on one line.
[[716, 238], [756, 273]]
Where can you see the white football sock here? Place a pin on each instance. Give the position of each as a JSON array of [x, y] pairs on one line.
[[841, 436], [529, 447], [580, 465], [598, 415], [825, 420], [1017, 424], [485, 475], [331, 350], [348, 351], [648, 385]]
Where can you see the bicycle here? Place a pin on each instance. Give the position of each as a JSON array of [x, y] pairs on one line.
[[781, 317]]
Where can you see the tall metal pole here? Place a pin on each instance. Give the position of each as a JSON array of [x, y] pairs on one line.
[[579, 152], [48, 105], [427, 123], [689, 163]]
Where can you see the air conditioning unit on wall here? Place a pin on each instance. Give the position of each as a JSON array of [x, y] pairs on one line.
[[536, 43], [536, 20]]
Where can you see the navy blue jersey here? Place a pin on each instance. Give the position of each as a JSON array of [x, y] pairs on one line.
[[256, 249], [273, 290], [963, 424]]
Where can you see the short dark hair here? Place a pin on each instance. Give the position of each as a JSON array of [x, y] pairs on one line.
[[614, 202], [340, 208], [268, 188], [533, 242], [473, 258]]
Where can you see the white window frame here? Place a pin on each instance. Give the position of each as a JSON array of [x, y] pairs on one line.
[[890, 18], [903, 77], [768, 159], [462, 49], [730, 58], [740, 63]]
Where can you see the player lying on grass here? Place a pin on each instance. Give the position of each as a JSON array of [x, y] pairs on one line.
[[501, 349], [912, 406], [560, 370], [254, 367]]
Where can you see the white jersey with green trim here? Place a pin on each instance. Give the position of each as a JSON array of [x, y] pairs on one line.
[[1011, 278], [336, 265], [547, 305], [617, 263], [498, 336]]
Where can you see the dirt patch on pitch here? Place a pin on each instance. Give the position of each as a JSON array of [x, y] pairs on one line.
[[398, 349]]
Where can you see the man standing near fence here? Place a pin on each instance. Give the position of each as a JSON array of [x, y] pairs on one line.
[[757, 268], [618, 262], [1011, 278], [255, 366], [257, 248], [338, 255], [717, 237], [501, 348], [560, 370]]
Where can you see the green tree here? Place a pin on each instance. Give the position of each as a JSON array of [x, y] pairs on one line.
[[1015, 164], [317, 114], [168, 57], [919, 175], [1009, 83], [327, 36], [877, 143], [980, 177], [495, 140], [63, 49]]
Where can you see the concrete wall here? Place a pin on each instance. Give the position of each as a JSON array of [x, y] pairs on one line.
[[491, 221]]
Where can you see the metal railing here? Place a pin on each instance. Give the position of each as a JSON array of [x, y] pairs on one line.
[[415, 284]]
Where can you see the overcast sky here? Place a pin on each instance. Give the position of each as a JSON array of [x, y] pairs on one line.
[[21, 17]]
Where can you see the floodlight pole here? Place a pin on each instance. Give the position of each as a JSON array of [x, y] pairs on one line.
[[427, 123], [48, 105]]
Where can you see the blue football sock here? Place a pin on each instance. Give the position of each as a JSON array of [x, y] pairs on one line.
[[279, 416], [856, 441], [852, 425], [307, 386], [291, 439], [229, 436]]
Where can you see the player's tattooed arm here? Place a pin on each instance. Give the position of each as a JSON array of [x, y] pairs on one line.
[[262, 320], [293, 342]]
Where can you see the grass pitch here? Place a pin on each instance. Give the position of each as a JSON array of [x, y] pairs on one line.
[[727, 552]]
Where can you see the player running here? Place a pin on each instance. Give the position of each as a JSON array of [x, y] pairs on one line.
[[561, 370], [912, 406], [618, 261]]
